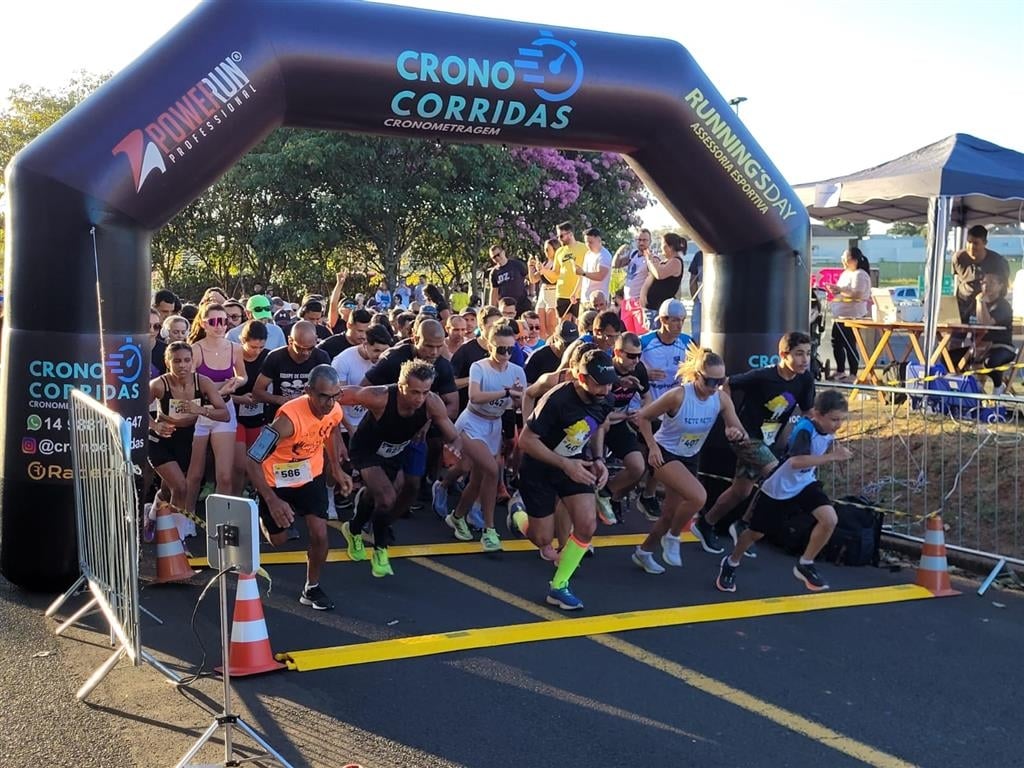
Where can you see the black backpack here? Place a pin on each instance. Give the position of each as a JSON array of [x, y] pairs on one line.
[[858, 533]]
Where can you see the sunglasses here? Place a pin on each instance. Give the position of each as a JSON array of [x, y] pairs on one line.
[[533, 327], [503, 350], [632, 355], [234, 317], [713, 381], [215, 322], [299, 348], [156, 326]]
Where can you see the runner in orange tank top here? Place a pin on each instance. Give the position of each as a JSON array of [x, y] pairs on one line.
[[286, 464]]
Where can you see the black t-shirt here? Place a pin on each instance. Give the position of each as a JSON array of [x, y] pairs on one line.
[[463, 358], [769, 400], [334, 345], [252, 415], [287, 377], [544, 360], [322, 331], [157, 357], [510, 279], [564, 422], [1002, 315], [969, 273], [390, 365], [622, 394]]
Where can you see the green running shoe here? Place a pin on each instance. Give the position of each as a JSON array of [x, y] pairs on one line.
[[380, 565], [356, 550], [490, 540]]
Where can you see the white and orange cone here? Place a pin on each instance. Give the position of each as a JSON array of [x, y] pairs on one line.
[[171, 563], [933, 571], [250, 652]]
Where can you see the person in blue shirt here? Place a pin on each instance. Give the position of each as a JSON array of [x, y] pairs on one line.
[[794, 485]]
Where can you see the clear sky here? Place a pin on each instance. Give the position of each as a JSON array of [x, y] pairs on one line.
[[832, 86]]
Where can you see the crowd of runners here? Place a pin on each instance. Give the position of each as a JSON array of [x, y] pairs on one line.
[[557, 400]]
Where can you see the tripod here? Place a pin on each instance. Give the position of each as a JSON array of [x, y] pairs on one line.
[[227, 720]]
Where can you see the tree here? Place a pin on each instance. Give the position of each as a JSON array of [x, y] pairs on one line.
[[30, 111], [908, 229], [856, 228]]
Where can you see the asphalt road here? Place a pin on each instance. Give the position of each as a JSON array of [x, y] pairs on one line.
[[923, 683]]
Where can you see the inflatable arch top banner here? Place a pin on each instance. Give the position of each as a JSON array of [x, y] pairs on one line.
[[93, 188]]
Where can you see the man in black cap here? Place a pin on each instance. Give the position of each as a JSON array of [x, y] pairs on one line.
[[547, 358], [563, 447]]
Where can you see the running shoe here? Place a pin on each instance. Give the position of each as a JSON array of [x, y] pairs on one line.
[[646, 561], [726, 581], [356, 550], [476, 517], [705, 533], [670, 550], [549, 553], [564, 599], [440, 498], [316, 599], [650, 506], [458, 524], [380, 564], [735, 531], [515, 507], [605, 513], [490, 541], [809, 575]]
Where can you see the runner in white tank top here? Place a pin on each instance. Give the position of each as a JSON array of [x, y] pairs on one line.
[[689, 412]]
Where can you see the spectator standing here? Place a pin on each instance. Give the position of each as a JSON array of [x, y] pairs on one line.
[[596, 272], [508, 279]]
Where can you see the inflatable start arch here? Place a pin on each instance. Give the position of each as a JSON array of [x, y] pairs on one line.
[[98, 183]]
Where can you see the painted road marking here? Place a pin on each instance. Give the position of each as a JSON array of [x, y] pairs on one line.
[[585, 626], [817, 732], [434, 550]]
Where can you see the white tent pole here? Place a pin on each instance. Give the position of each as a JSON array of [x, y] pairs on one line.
[[939, 210]]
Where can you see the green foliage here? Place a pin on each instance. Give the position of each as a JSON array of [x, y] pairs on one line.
[[908, 229], [858, 228], [30, 111]]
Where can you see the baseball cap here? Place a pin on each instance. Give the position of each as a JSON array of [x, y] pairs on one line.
[[428, 309], [259, 306], [672, 308], [277, 301], [568, 332], [599, 367]]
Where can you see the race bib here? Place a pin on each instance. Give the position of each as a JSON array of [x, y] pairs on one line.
[[390, 450], [770, 430], [293, 473], [250, 410], [180, 407], [687, 444]]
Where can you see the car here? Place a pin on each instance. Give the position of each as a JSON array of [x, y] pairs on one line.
[[904, 293]]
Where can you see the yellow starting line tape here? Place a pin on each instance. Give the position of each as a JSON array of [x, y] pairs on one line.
[[431, 550], [539, 631]]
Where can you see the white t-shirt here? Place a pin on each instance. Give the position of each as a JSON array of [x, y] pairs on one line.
[[352, 367], [592, 262], [636, 275], [859, 282], [489, 379]]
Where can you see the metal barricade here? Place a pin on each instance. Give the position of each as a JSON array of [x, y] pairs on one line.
[[919, 451], [108, 533]]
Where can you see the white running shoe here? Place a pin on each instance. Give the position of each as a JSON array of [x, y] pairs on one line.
[[646, 561], [670, 550]]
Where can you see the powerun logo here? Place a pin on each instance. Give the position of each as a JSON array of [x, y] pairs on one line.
[[479, 105], [186, 123]]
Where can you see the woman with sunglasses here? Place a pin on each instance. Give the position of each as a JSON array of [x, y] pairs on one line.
[[221, 361], [495, 385], [687, 413], [181, 396]]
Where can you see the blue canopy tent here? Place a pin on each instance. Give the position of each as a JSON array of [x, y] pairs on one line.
[[958, 181]]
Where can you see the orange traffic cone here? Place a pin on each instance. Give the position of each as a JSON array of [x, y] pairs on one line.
[[171, 563], [933, 571], [250, 652]]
